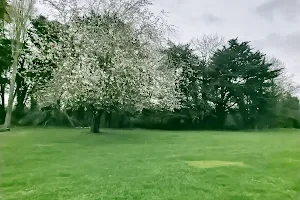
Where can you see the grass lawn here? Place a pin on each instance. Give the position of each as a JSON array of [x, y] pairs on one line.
[[68, 164]]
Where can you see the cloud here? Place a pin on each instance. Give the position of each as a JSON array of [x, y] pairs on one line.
[[288, 9], [286, 44], [210, 18]]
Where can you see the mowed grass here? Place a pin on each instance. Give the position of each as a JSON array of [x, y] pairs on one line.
[[70, 164]]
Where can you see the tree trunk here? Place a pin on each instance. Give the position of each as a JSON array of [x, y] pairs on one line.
[[20, 107], [108, 119], [33, 104], [95, 128], [79, 115], [16, 54], [221, 116], [122, 120], [21, 92], [244, 112], [2, 105]]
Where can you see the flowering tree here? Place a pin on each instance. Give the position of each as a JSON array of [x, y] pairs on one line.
[[109, 57]]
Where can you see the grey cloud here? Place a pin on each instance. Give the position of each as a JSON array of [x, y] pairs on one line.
[[289, 43], [288, 9], [210, 18]]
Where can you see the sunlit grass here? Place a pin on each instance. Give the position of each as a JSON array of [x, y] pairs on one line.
[[214, 163]]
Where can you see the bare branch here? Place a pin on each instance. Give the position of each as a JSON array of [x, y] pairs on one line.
[[206, 46], [284, 82]]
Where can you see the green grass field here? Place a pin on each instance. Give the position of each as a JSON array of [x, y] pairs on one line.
[[70, 164]]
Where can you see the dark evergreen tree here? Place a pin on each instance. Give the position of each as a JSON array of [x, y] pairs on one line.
[[241, 80]]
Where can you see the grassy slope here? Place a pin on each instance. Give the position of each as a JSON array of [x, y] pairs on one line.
[[71, 164]]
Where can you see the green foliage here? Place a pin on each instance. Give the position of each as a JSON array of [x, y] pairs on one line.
[[36, 72], [192, 84], [5, 62], [287, 112], [241, 79], [48, 117], [5, 54], [4, 11], [183, 59], [235, 89], [231, 87], [233, 121], [33, 118], [40, 71]]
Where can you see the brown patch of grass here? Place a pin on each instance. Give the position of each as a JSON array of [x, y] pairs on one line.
[[44, 145], [214, 163]]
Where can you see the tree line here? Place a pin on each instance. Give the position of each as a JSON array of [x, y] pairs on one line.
[[113, 60]]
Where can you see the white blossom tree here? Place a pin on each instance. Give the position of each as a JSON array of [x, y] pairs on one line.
[[110, 56]]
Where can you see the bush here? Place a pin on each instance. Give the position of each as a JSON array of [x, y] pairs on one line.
[[35, 118], [48, 117], [234, 122]]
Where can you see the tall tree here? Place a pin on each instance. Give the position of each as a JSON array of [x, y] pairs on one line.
[[242, 79], [5, 62], [22, 11], [34, 71], [183, 59], [110, 58], [285, 109], [5, 54], [287, 112], [205, 48]]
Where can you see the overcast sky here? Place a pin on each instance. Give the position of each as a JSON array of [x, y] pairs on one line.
[[271, 25]]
